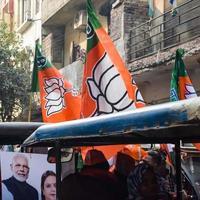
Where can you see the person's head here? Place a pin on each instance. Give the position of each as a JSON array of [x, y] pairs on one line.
[[157, 161], [48, 186], [135, 151], [20, 167], [95, 158], [142, 182], [124, 164]]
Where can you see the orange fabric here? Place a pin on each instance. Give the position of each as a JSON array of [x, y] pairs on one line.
[[105, 44], [108, 151], [88, 104], [165, 148], [71, 108], [135, 151], [183, 81], [197, 145], [116, 59]]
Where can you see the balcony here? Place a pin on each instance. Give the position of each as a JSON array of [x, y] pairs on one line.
[[165, 31], [59, 12]]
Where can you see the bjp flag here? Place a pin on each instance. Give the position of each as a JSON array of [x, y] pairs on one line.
[[107, 84], [181, 85], [59, 101]]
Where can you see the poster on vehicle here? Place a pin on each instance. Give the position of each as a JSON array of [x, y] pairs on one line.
[[27, 176]]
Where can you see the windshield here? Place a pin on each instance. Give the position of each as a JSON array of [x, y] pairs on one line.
[[192, 165]]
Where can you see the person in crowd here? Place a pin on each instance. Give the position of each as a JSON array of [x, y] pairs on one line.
[[16, 186], [157, 160], [125, 161], [123, 166], [48, 185], [143, 184], [93, 182]]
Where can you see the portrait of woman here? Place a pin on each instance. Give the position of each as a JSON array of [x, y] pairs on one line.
[[48, 186]]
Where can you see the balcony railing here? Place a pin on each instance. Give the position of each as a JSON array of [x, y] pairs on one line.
[[165, 31]]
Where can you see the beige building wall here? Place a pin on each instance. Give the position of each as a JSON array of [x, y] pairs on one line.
[[28, 21], [51, 6], [78, 36]]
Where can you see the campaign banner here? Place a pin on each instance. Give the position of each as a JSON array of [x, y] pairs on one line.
[[27, 176]]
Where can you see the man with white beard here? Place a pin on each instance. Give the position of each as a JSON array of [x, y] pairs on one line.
[[16, 187]]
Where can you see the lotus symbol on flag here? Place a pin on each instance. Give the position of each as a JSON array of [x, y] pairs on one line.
[[89, 31], [55, 93], [41, 61], [107, 88], [189, 91]]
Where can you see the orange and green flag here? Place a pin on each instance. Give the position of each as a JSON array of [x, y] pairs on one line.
[[59, 100], [107, 84], [181, 85]]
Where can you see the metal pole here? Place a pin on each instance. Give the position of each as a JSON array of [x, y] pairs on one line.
[[178, 170], [58, 170]]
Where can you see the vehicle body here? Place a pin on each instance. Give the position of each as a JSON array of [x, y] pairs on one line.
[[165, 123]]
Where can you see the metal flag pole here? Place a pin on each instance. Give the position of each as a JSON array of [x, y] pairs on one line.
[[178, 170], [58, 170]]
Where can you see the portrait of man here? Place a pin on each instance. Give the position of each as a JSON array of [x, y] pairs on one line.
[[16, 186]]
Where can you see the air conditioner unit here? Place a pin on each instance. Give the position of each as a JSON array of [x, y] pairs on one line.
[[80, 20], [28, 16]]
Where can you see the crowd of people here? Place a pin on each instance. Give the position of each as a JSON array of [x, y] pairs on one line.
[[132, 177], [145, 178]]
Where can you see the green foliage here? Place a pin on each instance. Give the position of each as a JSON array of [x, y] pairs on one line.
[[14, 75]]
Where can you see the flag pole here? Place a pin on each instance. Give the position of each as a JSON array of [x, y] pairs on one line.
[[30, 107]]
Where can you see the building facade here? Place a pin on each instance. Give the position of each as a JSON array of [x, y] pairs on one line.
[[146, 44], [151, 48], [24, 17]]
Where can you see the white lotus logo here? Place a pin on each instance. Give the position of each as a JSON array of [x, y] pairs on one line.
[[107, 88], [189, 91], [55, 93], [138, 96]]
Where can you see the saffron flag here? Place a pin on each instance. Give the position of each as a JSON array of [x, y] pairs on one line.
[[59, 102], [181, 85], [107, 84]]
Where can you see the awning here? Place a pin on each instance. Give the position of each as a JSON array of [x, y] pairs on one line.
[[164, 123]]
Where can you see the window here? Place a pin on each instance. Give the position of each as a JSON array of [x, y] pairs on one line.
[[26, 10], [37, 6]]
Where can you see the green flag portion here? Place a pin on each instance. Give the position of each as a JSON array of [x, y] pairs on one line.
[[38, 65], [150, 8], [181, 86], [92, 17], [93, 23], [34, 83]]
